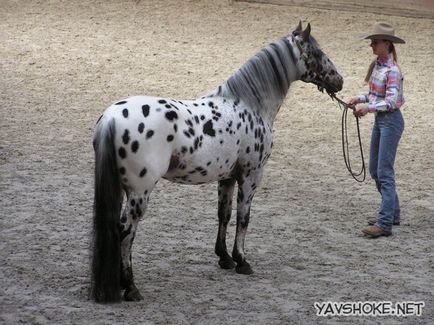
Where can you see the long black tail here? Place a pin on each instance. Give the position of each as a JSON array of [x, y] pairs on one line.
[[106, 255]]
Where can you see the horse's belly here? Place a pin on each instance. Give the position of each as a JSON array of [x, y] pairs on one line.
[[205, 166]]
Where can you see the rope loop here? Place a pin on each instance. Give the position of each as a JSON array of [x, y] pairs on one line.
[[360, 176]]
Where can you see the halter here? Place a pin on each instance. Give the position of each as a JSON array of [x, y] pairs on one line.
[[317, 80]]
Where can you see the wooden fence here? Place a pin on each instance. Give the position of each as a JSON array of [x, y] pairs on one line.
[[406, 8]]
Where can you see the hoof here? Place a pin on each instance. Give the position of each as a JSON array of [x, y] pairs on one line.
[[132, 294], [226, 263], [244, 268]]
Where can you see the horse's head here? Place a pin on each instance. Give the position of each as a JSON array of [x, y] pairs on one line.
[[314, 66]]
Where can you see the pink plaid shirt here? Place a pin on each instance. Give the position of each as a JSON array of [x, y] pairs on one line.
[[386, 87]]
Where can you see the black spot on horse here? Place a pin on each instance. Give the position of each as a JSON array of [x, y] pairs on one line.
[[143, 172], [187, 134], [138, 210], [170, 138], [145, 110], [126, 136], [134, 146], [208, 129], [174, 162], [149, 134], [125, 112], [125, 233], [162, 101], [171, 115], [141, 127], [122, 171], [240, 196], [122, 153], [121, 103]]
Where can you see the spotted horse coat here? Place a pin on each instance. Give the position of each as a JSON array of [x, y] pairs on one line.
[[225, 136]]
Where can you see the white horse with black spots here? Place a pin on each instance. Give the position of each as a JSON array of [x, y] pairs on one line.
[[225, 136]]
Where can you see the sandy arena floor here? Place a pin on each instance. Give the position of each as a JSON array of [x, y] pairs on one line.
[[64, 62]]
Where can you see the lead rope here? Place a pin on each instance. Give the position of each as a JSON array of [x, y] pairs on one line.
[[345, 148]]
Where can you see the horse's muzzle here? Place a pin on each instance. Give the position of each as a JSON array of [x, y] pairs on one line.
[[335, 85]]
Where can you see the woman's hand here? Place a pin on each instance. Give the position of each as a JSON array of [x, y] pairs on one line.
[[361, 110], [353, 101]]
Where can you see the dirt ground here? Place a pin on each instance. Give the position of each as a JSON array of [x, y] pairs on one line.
[[64, 62]]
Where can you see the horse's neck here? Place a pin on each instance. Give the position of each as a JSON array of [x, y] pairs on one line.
[[262, 83]]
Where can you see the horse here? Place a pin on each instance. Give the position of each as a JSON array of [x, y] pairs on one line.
[[224, 137]]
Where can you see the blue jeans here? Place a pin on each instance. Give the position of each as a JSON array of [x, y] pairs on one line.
[[386, 133]]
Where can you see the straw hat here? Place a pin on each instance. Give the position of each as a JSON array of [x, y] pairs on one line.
[[383, 31]]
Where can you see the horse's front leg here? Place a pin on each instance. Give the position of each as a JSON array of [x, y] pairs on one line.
[[134, 210], [246, 190], [225, 193]]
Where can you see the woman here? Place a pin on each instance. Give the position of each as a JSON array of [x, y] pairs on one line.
[[385, 99]]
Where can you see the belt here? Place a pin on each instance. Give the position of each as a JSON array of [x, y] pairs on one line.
[[386, 112]]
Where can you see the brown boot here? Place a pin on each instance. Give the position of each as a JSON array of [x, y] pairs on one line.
[[372, 221], [375, 231]]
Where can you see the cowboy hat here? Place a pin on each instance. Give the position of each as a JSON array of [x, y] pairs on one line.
[[383, 31]]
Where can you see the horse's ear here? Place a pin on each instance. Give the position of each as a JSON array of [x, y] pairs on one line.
[[298, 29], [306, 33]]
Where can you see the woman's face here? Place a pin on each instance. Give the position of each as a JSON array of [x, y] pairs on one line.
[[380, 47]]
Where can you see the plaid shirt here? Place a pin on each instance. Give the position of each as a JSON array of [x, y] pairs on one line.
[[385, 87]]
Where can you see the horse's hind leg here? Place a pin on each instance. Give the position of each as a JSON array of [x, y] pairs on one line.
[[134, 210], [246, 190], [225, 193]]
